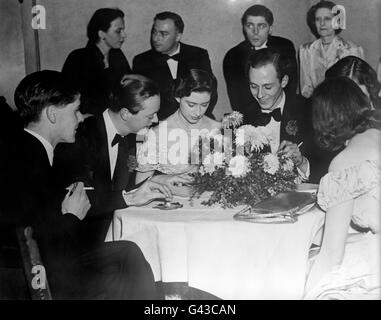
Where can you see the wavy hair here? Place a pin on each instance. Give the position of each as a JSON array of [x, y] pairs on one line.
[[359, 71], [311, 16], [340, 110], [131, 92]]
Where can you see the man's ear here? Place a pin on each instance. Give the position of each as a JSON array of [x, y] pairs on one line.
[[178, 36], [51, 114], [101, 35], [284, 81], [125, 114], [271, 30]]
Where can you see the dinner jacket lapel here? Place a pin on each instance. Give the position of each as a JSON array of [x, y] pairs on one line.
[[161, 68], [290, 122], [103, 171]]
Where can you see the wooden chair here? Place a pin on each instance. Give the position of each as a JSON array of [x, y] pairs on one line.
[[34, 269]]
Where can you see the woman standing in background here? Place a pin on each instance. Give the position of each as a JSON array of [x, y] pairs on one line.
[[317, 56], [97, 68]]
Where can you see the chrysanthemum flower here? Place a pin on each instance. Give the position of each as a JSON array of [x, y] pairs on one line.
[[239, 166], [270, 163]]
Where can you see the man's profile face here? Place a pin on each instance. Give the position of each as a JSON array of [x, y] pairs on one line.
[[165, 36], [68, 118], [146, 117], [265, 86], [256, 30]]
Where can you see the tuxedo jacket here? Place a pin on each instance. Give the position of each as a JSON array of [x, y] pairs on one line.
[[152, 65], [84, 68], [293, 122], [234, 68], [35, 198], [88, 160], [296, 126]]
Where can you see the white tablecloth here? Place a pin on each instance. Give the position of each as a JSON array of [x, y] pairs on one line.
[[213, 252]]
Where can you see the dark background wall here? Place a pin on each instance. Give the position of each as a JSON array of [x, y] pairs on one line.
[[212, 24]]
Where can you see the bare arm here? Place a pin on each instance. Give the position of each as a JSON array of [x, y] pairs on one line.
[[332, 250], [141, 176]]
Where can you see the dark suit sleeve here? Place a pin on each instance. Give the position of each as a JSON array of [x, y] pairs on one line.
[[73, 69], [205, 65], [138, 66], [288, 49], [233, 78]]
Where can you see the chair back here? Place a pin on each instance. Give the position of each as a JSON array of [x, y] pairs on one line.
[[34, 269]]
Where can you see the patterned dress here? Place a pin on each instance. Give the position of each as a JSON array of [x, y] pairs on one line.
[[358, 277], [314, 61], [168, 146]]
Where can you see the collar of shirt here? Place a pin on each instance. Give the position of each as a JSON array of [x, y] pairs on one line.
[[264, 45], [279, 105], [110, 127], [48, 147], [176, 51], [111, 132], [172, 64]]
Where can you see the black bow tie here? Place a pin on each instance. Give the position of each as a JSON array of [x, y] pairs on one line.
[[275, 114], [174, 57], [118, 139]]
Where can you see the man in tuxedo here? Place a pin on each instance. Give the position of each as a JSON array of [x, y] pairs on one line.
[[104, 155], [169, 59], [257, 22], [284, 113], [76, 269]]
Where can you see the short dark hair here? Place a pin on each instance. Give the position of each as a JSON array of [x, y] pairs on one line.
[[101, 20], [177, 20], [311, 16], [258, 10], [262, 57], [360, 71], [130, 93], [340, 110], [39, 90], [195, 80]]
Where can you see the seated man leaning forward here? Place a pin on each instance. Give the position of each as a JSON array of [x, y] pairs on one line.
[[76, 269], [284, 113], [168, 146], [104, 154]]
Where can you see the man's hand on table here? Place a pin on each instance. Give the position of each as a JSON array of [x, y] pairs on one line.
[[148, 191]]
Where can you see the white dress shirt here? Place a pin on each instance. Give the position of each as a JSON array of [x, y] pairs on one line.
[[48, 147], [111, 132], [172, 64], [264, 45], [274, 127]]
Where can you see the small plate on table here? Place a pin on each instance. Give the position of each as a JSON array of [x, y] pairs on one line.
[[168, 205], [307, 187]]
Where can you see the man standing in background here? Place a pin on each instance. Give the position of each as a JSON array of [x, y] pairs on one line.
[[169, 59], [257, 24]]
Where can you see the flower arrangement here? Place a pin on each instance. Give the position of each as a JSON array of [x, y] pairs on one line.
[[237, 166]]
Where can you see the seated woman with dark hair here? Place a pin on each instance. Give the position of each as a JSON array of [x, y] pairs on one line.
[[360, 72], [168, 145], [96, 69], [348, 264]]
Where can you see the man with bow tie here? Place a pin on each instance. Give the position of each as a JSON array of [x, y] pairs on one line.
[[257, 24], [169, 59], [104, 155], [284, 113]]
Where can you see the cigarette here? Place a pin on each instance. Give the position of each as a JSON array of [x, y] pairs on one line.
[[84, 188], [300, 144]]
